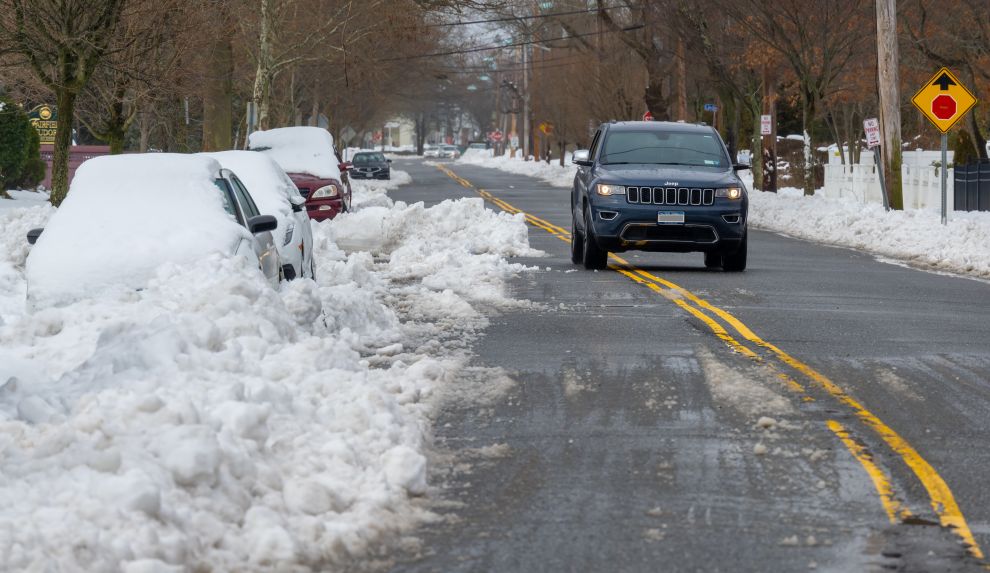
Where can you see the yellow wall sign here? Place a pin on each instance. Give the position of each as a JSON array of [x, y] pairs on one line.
[[944, 100], [45, 120]]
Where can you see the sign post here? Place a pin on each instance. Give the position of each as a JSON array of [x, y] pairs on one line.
[[872, 128], [944, 100], [769, 157]]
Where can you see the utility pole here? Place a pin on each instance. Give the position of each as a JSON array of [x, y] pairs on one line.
[[525, 82], [889, 92]]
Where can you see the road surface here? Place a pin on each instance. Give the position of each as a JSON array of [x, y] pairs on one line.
[[821, 411]]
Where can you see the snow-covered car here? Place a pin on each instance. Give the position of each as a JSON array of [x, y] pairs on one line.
[[308, 156], [276, 194], [448, 152], [127, 215]]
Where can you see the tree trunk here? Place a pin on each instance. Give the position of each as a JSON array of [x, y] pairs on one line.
[[218, 96], [656, 101], [681, 86], [263, 74], [65, 101], [144, 124], [890, 114], [807, 115]]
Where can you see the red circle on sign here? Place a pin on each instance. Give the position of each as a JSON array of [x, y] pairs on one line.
[[497, 136], [648, 116], [944, 107]]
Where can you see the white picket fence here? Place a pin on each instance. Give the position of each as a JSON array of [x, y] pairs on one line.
[[860, 183]]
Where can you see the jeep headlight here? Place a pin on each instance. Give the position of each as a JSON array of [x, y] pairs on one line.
[[729, 193], [603, 189], [327, 192]]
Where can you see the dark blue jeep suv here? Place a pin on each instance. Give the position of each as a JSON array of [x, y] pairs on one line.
[[658, 186]]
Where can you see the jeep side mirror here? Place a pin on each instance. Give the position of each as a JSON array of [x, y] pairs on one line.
[[581, 157]]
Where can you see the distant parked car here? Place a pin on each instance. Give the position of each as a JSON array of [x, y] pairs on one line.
[[308, 156], [276, 194], [478, 145], [431, 151], [127, 215], [370, 165], [448, 152]]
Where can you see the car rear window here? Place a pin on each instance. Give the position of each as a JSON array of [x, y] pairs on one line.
[[664, 148]]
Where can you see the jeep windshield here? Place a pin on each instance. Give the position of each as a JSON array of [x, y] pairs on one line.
[[663, 148]]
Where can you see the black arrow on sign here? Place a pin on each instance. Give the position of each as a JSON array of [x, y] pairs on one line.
[[943, 82]]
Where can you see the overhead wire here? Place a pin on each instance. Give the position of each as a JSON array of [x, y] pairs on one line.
[[510, 45], [521, 18]]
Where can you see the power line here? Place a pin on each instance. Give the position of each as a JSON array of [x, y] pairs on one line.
[[520, 18], [489, 70], [511, 45], [507, 70]]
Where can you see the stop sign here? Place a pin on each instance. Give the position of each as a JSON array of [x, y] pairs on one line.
[[648, 116], [944, 107]]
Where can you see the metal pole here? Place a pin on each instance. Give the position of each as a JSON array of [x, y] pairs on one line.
[[883, 181], [944, 170]]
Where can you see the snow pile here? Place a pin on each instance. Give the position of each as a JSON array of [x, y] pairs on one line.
[[299, 150], [551, 173], [914, 236], [124, 216], [269, 186], [209, 422], [370, 192]]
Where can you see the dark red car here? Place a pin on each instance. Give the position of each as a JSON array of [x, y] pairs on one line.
[[308, 156], [325, 197]]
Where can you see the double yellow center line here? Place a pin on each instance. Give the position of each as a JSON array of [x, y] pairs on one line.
[[743, 340]]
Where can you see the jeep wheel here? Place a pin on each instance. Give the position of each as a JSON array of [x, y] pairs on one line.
[[736, 262], [713, 260], [595, 258], [577, 244]]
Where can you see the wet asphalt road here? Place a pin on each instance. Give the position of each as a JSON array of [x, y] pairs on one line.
[[629, 439]]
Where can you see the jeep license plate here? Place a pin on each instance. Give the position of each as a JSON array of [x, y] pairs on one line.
[[670, 218]]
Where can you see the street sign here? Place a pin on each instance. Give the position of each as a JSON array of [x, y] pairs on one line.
[[546, 127], [647, 116], [45, 120], [766, 125], [711, 107], [872, 127], [496, 136], [944, 100], [514, 141]]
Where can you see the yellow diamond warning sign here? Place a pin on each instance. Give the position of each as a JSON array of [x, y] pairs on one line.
[[943, 100]]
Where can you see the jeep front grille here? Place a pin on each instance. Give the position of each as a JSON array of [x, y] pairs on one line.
[[669, 196]]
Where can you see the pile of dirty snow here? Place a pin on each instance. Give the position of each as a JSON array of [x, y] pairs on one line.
[[209, 422]]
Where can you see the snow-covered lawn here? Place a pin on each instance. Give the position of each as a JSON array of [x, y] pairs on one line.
[[21, 199], [913, 236], [208, 422]]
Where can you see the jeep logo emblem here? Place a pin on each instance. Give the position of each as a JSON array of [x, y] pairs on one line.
[[671, 183]]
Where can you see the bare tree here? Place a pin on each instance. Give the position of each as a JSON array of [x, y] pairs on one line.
[[817, 44], [63, 42]]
